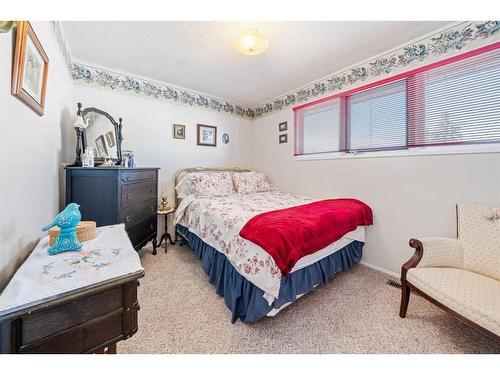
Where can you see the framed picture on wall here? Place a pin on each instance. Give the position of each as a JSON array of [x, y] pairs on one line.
[[283, 126], [283, 138], [102, 152], [206, 135], [30, 69], [179, 131]]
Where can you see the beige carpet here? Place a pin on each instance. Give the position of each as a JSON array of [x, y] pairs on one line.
[[356, 313]]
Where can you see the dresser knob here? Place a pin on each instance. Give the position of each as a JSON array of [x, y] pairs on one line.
[[129, 195], [127, 218]]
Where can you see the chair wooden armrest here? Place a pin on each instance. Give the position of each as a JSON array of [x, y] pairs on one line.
[[439, 252], [415, 259]]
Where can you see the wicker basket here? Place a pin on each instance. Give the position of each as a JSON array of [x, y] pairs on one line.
[[85, 231]]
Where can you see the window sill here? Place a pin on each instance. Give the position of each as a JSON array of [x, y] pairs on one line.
[[417, 151]]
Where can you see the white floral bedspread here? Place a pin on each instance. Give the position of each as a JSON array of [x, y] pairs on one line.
[[218, 221]]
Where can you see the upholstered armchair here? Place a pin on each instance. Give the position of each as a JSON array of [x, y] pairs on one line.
[[462, 275]]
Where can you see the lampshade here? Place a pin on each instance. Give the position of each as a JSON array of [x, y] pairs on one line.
[[251, 43], [6, 26], [79, 122]]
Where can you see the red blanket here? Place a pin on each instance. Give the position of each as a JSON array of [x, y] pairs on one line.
[[292, 233]]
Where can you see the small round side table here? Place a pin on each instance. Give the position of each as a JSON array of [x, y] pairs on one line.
[[165, 236]]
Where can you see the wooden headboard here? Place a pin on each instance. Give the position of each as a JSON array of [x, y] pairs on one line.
[[202, 169]]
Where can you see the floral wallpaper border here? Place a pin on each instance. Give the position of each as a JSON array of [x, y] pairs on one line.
[[129, 83], [454, 39], [62, 42]]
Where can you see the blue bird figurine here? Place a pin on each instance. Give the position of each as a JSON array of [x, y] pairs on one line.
[[67, 220]]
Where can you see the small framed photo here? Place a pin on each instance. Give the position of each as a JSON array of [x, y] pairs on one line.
[[206, 135], [102, 152], [179, 131], [283, 126], [30, 69], [110, 139], [283, 138]]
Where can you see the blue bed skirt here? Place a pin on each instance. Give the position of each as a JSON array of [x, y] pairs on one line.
[[244, 299]]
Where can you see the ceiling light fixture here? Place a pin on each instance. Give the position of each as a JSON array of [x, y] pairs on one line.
[[251, 43]]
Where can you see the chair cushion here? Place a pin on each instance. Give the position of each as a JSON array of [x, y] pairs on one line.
[[474, 296]]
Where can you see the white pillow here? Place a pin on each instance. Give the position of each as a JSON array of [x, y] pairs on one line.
[[204, 185], [183, 188], [250, 182]]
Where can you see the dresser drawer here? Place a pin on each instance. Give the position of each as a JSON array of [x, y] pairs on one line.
[[138, 212], [45, 323], [82, 338], [142, 231], [137, 176], [92, 318], [132, 194]]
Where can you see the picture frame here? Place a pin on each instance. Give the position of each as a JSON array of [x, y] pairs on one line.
[[110, 139], [206, 135], [179, 131], [102, 151], [283, 138], [283, 126], [30, 68]]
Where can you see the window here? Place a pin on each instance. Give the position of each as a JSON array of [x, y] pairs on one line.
[[376, 118], [454, 101], [460, 102], [321, 128]]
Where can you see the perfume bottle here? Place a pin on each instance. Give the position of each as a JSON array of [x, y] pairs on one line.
[[128, 159], [131, 161], [88, 157]]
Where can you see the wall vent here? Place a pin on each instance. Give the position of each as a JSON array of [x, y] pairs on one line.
[[397, 284], [394, 283]]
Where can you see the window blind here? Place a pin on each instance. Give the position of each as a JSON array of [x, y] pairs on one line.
[[376, 118], [449, 102], [458, 103], [320, 128]]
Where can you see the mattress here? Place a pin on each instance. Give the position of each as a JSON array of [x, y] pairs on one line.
[[217, 221]]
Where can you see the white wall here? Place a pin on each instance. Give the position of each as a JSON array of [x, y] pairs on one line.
[[410, 196], [147, 130], [30, 153]]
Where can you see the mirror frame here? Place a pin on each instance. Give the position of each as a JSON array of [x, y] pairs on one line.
[[118, 133]]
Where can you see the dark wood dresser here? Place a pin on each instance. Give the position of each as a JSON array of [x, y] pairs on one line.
[[90, 320], [61, 304], [117, 195]]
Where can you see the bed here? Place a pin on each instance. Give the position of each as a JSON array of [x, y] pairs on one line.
[[245, 274]]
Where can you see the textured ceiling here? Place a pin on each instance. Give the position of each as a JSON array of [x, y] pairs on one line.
[[199, 55]]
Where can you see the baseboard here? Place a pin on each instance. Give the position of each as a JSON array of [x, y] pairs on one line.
[[381, 269]]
